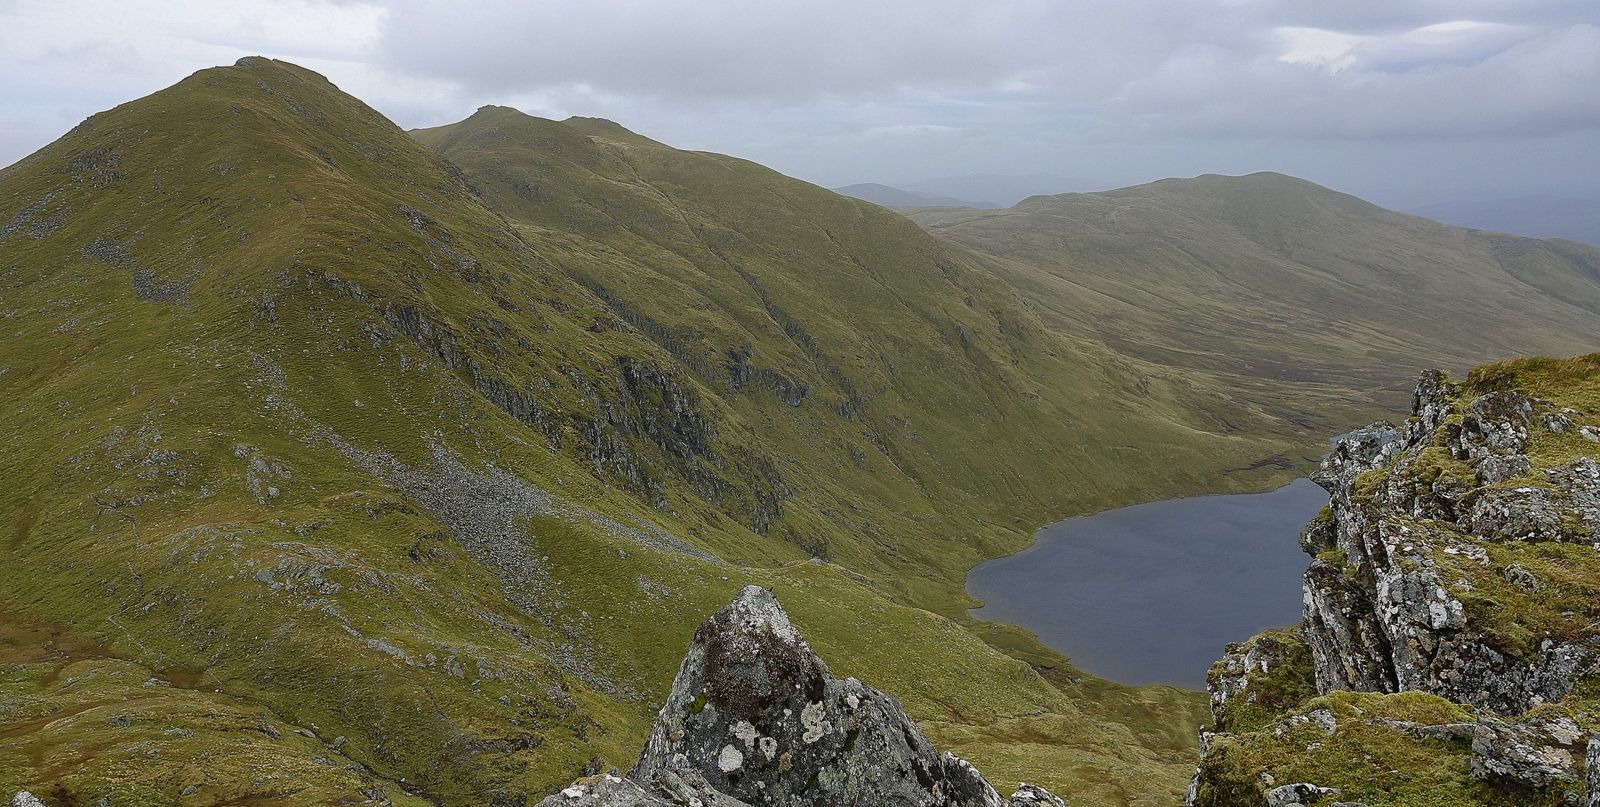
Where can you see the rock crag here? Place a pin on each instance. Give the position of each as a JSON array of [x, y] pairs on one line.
[[755, 718], [1451, 612]]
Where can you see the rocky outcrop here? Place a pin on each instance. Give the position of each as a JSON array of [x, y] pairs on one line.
[[1426, 576], [755, 718], [1536, 752], [1383, 612], [1267, 673], [1298, 794]]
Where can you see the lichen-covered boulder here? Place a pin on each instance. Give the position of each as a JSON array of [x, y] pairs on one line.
[[754, 719], [1532, 752], [1299, 794], [757, 714]]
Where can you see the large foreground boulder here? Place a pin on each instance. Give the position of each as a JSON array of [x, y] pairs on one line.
[[755, 718]]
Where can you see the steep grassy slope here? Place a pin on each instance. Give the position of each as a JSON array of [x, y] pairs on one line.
[[913, 397], [319, 469], [1276, 283]]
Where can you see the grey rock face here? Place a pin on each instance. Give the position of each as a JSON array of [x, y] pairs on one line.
[[1431, 404], [1320, 535], [1516, 514], [688, 787], [1580, 481], [1384, 619], [1299, 794], [25, 799], [1533, 752], [614, 791], [1591, 768], [1346, 640], [755, 719], [1495, 425], [1357, 452], [756, 713]]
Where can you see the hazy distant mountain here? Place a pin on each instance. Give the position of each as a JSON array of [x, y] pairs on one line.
[[1273, 279], [1004, 189], [1576, 218], [899, 197]]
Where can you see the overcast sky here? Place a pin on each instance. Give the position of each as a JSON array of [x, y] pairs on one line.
[[1403, 101]]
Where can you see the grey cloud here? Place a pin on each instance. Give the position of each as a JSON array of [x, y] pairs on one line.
[[1541, 85], [1422, 68], [721, 48], [844, 90]]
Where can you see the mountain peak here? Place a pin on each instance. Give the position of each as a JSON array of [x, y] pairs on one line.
[[606, 129]]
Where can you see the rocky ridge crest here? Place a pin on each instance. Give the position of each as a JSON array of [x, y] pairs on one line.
[[1450, 611]]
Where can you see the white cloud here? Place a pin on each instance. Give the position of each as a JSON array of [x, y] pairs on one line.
[[1329, 50]]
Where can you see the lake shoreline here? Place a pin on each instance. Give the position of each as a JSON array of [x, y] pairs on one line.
[[1152, 592]]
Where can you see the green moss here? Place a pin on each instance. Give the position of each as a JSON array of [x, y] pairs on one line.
[[1288, 682], [1334, 557], [1368, 761]]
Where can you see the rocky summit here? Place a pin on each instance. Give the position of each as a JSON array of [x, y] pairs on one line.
[[1451, 633], [755, 718]]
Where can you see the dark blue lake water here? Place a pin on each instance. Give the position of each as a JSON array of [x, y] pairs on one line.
[[1151, 594]]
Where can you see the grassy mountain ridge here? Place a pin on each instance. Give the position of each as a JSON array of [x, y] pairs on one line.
[[316, 456]]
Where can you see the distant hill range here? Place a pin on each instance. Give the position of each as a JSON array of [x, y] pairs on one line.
[[901, 198], [1570, 217], [1272, 280]]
